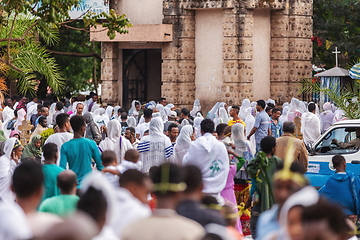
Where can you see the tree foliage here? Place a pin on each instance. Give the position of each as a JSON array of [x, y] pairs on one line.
[[27, 27], [338, 22]]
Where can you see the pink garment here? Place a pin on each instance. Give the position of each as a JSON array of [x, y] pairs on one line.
[[13, 132], [229, 195]]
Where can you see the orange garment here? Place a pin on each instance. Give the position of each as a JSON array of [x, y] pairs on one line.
[[234, 233]]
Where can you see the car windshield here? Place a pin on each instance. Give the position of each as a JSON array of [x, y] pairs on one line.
[[342, 135]]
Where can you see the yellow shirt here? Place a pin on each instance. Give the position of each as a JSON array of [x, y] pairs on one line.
[[232, 122]]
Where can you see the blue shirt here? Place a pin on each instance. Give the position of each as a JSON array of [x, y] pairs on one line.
[[276, 130], [78, 153], [262, 123], [267, 222]]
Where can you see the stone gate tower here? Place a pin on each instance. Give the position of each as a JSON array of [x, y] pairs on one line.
[[210, 50]]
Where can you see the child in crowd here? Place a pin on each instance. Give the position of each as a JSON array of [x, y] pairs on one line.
[[131, 161]]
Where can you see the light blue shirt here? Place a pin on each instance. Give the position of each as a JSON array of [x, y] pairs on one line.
[[267, 222], [262, 123]]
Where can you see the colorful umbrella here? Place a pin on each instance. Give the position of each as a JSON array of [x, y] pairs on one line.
[[355, 72]]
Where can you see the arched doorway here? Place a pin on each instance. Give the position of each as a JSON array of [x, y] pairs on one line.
[[141, 75]]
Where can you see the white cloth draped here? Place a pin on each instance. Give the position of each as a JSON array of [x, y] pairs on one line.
[[59, 139], [131, 122], [310, 127], [7, 167], [183, 143], [21, 117], [197, 122], [7, 115], [283, 117], [109, 111], [243, 108], [250, 122], [196, 108]]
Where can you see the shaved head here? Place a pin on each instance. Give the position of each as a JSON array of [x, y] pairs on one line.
[[67, 181]]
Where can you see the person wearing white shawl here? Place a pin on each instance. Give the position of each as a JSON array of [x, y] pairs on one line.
[[52, 110], [160, 107], [131, 122], [171, 106], [7, 115], [292, 109], [223, 117], [211, 157], [249, 123], [183, 142], [100, 117], [283, 116], [326, 117], [339, 116], [196, 108], [97, 181], [310, 125], [197, 122], [135, 108], [243, 148], [21, 117], [109, 111], [304, 198], [114, 141], [212, 114], [116, 113], [155, 148], [94, 108], [8, 162], [31, 110], [243, 108]]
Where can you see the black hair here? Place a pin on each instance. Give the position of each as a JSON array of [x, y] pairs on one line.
[[162, 99], [39, 106], [61, 119], [123, 115], [311, 107], [192, 178], [42, 119], [207, 126], [13, 98], [28, 178], [271, 105], [137, 104], [93, 202], [337, 160], [211, 236], [120, 111], [267, 144], [77, 122], [49, 151], [59, 106], [108, 157], [148, 113], [235, 107], [261, 103], [268, 109], [221, 128], [146, 131], [171, 126], [173, 174], [43, 109], [289, 127], [66, 182], [132, 130], [331, 213], [178, 112], [15, 113], [132, 176], [185, 111], [275, 110], [46, 103], [208, 200], [75, 98], [295, 167]]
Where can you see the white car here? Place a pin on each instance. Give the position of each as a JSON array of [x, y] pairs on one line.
[[322, 151]]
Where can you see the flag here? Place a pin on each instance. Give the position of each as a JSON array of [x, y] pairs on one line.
[[328, 44]]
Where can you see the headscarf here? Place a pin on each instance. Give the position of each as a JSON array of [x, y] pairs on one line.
[[94, 107], [196, 108], [21, 117], [224, 118], [31, 110], [339, 116], [244, 106], [249, 123], [183, 143], [100, 118], [156, 127], [160, 107], [283, 117], [109, 111], [213, 112], [30, 150], [133, 112], [327, 106], [167, 111], [13, 133], [6, 158], [197, 122], [113, 132], [2, 136], [237, 134], [170, 106], [88, 118], [116, 110], [7, 115], [131, 122], [292, 109]]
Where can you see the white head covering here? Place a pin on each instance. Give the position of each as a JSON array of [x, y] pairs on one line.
[[197, 122], [305, 197], [116, 109], [94, 107], [109, 111], [184, 122], [160, 107], [170, 106], [292, 109], [196, 108], [244, 106], [156, 127], [237, 134], [271, 101], [327, 106], [8, 115], [133, 111], [31, 110], [250, 122], [21, 117], [213, 112], [131, 122], [283, 117], [114, 130], [339, 116], [223, 115], [167, 110], [183, 142], [97, 114], [52, 110], [253, 104], [286, 104]]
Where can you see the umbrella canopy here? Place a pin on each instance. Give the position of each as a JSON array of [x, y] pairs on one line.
[[355, 72]]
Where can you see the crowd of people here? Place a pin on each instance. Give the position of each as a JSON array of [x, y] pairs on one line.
[[97, 171]]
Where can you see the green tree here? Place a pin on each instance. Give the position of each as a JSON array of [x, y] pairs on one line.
[[338, 22], [26, 27]]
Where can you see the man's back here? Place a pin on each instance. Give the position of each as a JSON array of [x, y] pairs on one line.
[[61, 205], [78, 153], [262, 123], [165, 224], [59, 139], [310, 127], [300, 153], [51, 171]]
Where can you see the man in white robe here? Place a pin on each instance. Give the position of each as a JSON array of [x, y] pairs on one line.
[[63, 136], [310, 125], [211, 157]]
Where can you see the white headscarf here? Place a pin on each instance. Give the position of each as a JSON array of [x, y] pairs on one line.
[[250, 122], [131, 122], [94, 107], [52, 110], [7, 167], [243, 108], [183, 142], [197, 122], [213, 112], [109, 111], [133, 112], [156, 127], [167, 111], [21, 117], [271, 101], [160, 107], [100, 118], [237, 134], [116, 109], [339, 116], [224, 118], [196, 108], [292, 109], [31, 110], [7, 115], [184, 122], [170, 106], [283, 117]]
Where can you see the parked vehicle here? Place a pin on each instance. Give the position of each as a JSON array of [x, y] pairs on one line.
[[322, 151]]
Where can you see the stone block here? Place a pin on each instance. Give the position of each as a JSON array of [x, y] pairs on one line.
[[230, 71], [245, 71], [246, 25], [299, 70], [301, 7], [109, 70], [246, 48], [279, 71], [109, 50], [279, 49], [300, 27], [300, 49], [279, 25]]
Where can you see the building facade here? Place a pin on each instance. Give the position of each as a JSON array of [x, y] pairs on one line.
[[211, 50]]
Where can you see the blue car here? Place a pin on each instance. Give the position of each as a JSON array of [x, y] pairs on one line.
[[321, 152]]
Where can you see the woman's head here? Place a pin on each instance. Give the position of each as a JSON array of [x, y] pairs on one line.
[[294, 224], [17, 150]]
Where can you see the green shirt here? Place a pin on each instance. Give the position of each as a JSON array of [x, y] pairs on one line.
[[61, 205], [51, 171], [78, 153]]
